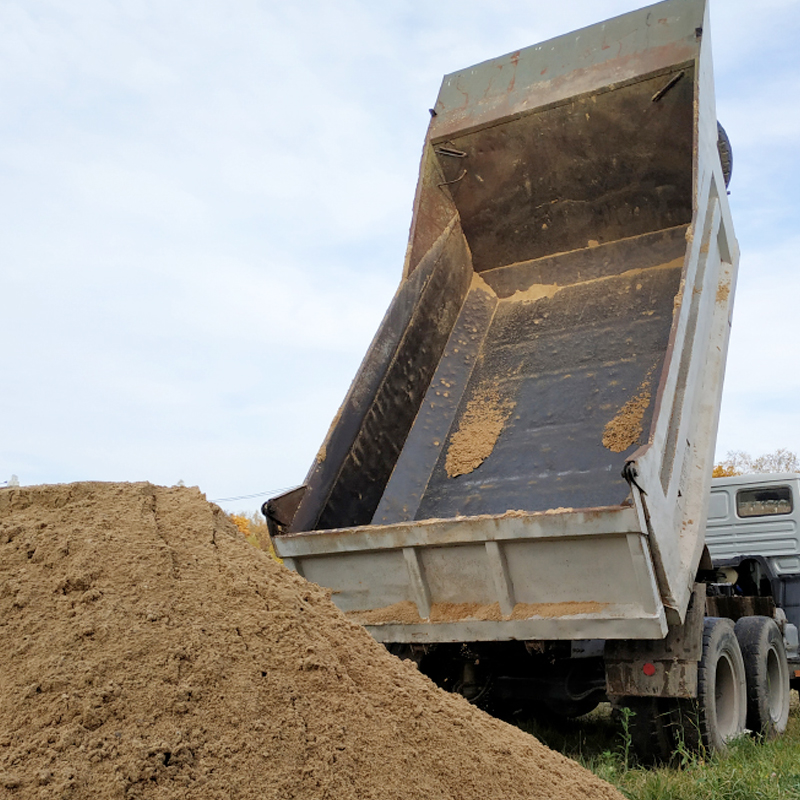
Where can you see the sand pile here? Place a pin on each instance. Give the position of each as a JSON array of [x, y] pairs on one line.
[[147, 651]]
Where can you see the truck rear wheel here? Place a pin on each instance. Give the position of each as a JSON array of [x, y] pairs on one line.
[[721, 706], [767, 674], [650, 726]]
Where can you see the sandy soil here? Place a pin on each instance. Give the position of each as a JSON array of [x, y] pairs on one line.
[[147, 651]]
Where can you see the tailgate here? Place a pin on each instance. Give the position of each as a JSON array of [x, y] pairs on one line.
[[560, 574]]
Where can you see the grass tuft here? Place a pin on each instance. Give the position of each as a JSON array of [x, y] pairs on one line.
[[750, 770]]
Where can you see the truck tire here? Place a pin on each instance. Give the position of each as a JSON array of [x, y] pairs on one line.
[[721, 706], [767, 674], [650, 727]]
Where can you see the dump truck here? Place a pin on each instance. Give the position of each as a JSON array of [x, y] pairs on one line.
[[514, 491]]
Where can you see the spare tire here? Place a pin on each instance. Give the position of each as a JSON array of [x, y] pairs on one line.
[[725, 153]]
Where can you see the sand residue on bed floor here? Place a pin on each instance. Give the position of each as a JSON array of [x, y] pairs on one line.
[[537, 291], [478, 431], [626, 427]]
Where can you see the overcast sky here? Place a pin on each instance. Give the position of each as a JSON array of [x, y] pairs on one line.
[[204, 208]]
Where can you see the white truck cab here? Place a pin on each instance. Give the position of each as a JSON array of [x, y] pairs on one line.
[[753, 537], [756, 514]]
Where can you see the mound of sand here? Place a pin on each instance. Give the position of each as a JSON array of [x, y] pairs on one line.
[[147, 651]]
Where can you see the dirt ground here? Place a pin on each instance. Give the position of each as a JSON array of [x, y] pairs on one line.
[[148, 651]]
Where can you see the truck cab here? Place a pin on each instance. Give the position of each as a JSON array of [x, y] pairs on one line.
[[753, 537]]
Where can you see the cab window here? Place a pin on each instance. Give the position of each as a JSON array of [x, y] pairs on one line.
[[766, 502]]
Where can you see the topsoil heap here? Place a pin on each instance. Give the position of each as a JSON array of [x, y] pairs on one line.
[[147, 651]]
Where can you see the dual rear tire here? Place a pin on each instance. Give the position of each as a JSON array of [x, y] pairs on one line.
[[767, 673], [721, 706], [743, 683]]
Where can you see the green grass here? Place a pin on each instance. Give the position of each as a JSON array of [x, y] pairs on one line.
[[750, 770]]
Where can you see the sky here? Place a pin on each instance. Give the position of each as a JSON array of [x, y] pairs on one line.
[[204, 209]]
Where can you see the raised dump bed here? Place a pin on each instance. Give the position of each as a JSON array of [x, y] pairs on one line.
[[525, 452]]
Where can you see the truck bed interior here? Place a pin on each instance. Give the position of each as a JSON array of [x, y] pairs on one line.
[[519, 364]]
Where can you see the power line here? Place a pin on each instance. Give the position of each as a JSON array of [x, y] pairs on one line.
[[252, 496]]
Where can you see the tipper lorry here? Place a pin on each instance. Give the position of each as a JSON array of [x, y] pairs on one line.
[[514, 491]]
